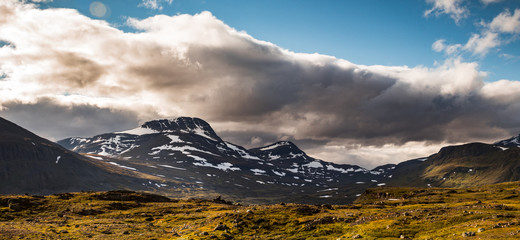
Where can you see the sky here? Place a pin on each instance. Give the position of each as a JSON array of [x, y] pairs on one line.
[[359, 82]]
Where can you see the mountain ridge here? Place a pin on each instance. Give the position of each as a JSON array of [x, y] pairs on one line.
[[184, 157], [187, 148], [29, 163]]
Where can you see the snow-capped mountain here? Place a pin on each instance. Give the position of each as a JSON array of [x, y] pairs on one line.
[[287, 156], [187, 149], [511, 142], [184, 157], [188, 154]]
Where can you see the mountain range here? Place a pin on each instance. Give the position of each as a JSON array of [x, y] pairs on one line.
[[184, 157]]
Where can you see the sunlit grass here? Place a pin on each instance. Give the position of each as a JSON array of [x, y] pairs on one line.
[[383, 213]]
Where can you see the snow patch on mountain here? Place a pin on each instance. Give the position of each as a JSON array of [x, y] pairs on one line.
[[297, 155], [332, 168], [199, 131], [241, 152], [182, 149], [139, 131], [172, 167], [314, 164], [257, 171], [281, 174], [95, 157], [78, 140], [273, 157], [222, 166], [174, 139], [276, 145], [122, 166]]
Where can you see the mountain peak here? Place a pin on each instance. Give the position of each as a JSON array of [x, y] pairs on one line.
[[280, 150], [511, 142], [9, 130], [182, 125], [278, 145]]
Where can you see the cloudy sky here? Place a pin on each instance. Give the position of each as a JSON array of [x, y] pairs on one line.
[[362, 82]]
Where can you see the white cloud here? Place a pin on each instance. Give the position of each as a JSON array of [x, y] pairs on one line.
[[492, 36], [196, 65], [154, 4], [481, 44], [453, 8], [441, 46], [506, 23]]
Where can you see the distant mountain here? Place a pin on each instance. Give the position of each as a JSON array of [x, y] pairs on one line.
[[31, 164], [509, 143], [471, 164], [188, 150]]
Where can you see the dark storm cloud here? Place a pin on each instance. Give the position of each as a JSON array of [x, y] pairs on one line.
[[255, 139], [50, 119], [331, 101]]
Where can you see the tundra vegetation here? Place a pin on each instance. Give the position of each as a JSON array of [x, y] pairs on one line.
[[485, 212]]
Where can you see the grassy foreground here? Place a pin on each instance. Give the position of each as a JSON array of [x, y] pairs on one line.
[[488, 212]]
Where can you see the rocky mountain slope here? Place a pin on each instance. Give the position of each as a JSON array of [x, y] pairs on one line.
[[467, 165], [184, 157], [188, 150], [31, 164]]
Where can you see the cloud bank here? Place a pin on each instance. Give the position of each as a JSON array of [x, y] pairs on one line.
[[61, 68]]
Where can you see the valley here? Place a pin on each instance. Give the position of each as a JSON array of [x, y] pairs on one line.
[[486, 212]]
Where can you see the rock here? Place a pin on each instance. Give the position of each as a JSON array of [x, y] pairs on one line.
[[226, 236], [357, 236], [204, 234], [481, 230], [327, 206], [468, 234], [126, 232], [220, 200], [221, 227], [15, 207]]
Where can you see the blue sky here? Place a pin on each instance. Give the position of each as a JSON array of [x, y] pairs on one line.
[[391, 33]]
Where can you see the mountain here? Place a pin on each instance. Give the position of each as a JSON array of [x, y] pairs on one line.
[[287, 156], [31, 164], [509, 143], [189, 151], [466, 165], [190, 158]]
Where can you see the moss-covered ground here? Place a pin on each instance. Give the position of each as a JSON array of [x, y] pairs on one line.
[[488, 212]]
